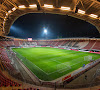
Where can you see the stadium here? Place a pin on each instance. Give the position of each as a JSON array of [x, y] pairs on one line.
[[44, 63]]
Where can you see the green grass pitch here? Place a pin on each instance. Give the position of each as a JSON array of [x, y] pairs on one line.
[[51, 63]]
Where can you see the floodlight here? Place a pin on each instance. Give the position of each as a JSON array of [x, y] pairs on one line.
[[45, 31], [81, 11], [65, 8], [93, 15], [48, 6], [33, 6], [22, 6]]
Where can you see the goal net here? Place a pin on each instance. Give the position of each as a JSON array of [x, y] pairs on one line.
[[87, 58], [63, 67]]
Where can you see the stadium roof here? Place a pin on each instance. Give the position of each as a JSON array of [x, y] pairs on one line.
[[10, 10]]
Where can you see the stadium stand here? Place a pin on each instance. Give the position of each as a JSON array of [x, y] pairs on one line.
[[75, 45], [10, 43], [82, 44], [90, 44], [97, 45], [16, 42], [6, 69], [79, 44], [7, 82]]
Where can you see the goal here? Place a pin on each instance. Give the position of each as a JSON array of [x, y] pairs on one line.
[[63, 67], [87, 58]]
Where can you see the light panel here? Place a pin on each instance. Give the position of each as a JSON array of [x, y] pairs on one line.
[[93, 15], [81, 11], [65, 8], [14, 8], [22, 6], [6, 14], [33, 6], [9, 11], [48, 6]]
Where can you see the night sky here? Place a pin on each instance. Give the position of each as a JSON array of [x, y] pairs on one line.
[[58, 26]]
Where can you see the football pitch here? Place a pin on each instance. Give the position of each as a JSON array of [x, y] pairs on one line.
[[51, 63]]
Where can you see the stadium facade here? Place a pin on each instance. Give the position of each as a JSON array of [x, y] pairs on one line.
[[14, 75]]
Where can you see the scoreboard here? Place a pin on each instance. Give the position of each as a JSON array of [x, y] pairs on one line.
[[29, 39]]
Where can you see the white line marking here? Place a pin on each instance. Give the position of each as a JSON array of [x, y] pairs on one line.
[[63, 68], [38, 67]]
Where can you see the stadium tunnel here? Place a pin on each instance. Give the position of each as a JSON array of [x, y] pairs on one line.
[[10, 10]]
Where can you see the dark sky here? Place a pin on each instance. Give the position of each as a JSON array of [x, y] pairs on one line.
[[63, 26]]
